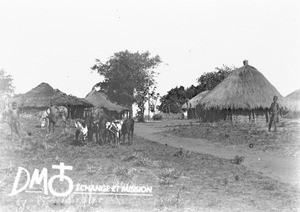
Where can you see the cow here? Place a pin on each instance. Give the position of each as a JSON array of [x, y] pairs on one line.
[[81, 133], [92, 122], [128, 128], [44, 120], [54, 113], [114, 130]]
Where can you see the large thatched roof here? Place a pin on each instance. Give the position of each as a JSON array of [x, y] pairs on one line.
[[98, 99], [194, 101], [293, 100], [245, 88], [40, 97], [64, 99]]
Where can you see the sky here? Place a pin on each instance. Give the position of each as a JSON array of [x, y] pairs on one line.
[[58, 41]]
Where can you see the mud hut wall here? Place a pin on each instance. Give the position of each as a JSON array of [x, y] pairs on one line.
[[77, 111], [191, 113], [113, 114], [214, 115], [32, 110]]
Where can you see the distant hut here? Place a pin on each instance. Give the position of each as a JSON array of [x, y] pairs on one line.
[[190, 106], [293, 102], [100, 100], [38, 99], [244, 92], [75, 104]]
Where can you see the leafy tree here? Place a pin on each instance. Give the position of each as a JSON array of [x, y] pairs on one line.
[[210, 80], [171, 103], [129, 78], [6, 87], [176, 97], [192, 91]]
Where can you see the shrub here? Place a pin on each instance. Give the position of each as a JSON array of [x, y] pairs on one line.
[[157, 117]]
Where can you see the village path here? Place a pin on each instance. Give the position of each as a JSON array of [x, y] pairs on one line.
[[284, 169]]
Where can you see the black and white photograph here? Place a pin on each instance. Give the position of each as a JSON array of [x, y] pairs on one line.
[[139, 105]]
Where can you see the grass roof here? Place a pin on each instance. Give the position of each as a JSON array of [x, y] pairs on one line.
[[61, 98], [195, 100], [41, 96], [245, 88], [293, 101], [99, 99]]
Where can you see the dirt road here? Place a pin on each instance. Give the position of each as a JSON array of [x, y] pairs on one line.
[[275, 166]]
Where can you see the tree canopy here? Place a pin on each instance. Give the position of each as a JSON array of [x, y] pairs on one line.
[[176, 97], [210, 80], [6, 86], [172, 101], [128, 77]]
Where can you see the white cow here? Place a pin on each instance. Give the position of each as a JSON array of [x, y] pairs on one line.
[[81, 132], [44, 118], [114, 129]]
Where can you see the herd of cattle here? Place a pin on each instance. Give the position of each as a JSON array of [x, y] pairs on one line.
[[95, 124]]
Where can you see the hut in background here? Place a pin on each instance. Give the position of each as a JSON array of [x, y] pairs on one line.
[[38, 99], [190, 106], [244, 92], [293, 103], [100, 100], [76, 105]]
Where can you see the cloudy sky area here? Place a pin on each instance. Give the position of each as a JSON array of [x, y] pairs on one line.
[[57, 41]]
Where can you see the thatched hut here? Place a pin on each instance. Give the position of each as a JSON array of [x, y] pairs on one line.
[[100, 100], [293, 102], [190, 106], [244, 92], [38, 99]]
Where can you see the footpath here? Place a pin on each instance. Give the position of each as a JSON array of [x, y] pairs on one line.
[[284, 169]]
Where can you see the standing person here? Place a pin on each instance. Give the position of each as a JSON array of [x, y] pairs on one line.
[[14, 116], [274, 112]]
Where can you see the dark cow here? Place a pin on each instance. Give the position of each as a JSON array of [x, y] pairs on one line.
[[128, 128], [92, 122]]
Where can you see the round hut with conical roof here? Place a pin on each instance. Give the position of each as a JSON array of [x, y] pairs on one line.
[[100, 100], [39, 98], [243, 92], [293, 103], [190, 106]]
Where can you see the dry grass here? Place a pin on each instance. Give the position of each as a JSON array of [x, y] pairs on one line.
[[245, 134], [181, 181]]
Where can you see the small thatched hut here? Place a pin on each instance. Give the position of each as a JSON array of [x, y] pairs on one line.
[[244, 92], [190, 106], [293, 102], [39, 98], [100, 100]]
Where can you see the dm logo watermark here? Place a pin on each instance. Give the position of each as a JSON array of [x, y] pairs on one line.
[[39, 177]]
